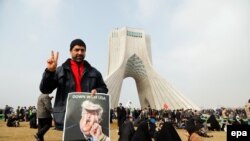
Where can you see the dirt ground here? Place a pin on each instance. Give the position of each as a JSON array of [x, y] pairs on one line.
[[24, 133]]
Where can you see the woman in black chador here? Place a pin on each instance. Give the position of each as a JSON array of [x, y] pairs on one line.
[[168, 133], [143, 132]]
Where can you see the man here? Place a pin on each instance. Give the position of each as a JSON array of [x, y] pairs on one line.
[[75, 75], [44, 110], [6, 112], [89, 128], [111, 115], [121, 114], [18, 112]]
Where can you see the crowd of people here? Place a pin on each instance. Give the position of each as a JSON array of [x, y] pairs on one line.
[[39, 118], [14, 117], [196, 123], [151, 124]]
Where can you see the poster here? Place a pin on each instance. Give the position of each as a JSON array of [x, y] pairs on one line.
[[87, 117]]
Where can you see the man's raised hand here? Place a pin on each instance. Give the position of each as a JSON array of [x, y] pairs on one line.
[[52, 61]]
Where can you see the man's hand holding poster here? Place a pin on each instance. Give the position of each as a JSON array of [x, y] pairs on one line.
[[87, 117]]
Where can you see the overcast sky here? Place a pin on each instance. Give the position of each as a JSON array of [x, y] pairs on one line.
[[202, 47]]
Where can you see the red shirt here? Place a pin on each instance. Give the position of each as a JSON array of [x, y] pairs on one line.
[[77, 70]]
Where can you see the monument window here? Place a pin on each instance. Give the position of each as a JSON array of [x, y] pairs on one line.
[[134, 34]]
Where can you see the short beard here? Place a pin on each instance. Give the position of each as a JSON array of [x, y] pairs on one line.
[[78, 60]]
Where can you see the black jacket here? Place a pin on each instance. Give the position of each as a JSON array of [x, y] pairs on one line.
[[63, 80]]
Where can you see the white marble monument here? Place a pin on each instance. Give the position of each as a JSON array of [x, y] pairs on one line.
[[130, 56]]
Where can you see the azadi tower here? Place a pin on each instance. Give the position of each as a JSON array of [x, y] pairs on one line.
[[130, 56]]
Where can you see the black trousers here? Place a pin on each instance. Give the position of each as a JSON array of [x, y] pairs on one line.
[[5, 117], [43, 126]]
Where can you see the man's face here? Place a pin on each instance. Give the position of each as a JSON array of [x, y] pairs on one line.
[[78, 53], [87, 121]]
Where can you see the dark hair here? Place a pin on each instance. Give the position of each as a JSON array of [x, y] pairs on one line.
[[77, 42]]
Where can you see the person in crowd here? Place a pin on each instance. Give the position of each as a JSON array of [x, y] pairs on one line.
[[22, 114], [33, 117], [143, 132], [74, 75], [135, 114], [149, 110], [89, 127], [6, 112], [27, 118], [111, 116], [126, 131], [121, 114], [214, 124], [167, 133], [247, 110], [18, 114], [44, 111], [13, 121], [192, 131]]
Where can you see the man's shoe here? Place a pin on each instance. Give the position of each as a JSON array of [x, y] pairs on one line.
[[37, 138]]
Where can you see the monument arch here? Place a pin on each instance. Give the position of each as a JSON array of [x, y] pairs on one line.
[[130, 56]]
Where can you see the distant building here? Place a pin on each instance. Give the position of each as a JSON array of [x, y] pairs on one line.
[[130, 56]]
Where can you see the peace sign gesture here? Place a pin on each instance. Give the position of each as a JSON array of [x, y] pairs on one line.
[[52, 61]]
